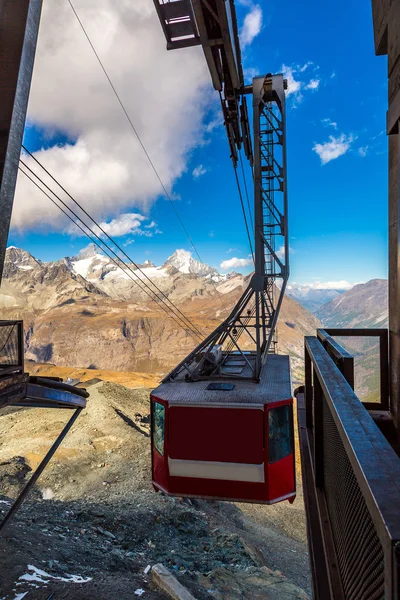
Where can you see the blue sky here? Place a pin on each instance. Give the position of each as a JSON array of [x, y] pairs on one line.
[[338, 210]]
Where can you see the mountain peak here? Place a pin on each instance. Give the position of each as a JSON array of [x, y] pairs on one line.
[[147, 263], [21, 259], [89, 251], [183, 261]]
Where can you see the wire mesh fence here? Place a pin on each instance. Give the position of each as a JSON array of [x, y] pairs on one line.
[[11, 351]]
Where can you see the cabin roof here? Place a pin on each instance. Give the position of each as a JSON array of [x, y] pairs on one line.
[[275, 384]]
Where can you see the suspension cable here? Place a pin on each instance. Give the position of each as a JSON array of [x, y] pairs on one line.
[[246, 190], [136, 132], [142, 286], [112, 240], [244, 213], [118, 264]]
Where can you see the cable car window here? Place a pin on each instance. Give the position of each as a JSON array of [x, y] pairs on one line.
[[280, 433], [158, 427]]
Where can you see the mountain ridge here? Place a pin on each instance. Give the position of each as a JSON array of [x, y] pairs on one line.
[[364, 305], [104, 321]]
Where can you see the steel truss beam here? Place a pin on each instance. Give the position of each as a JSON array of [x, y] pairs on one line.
[[213, 25], [253, 320], [19, 25]]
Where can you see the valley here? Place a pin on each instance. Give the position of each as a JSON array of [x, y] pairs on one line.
[[364, 306], [84, 312], [86, 320]]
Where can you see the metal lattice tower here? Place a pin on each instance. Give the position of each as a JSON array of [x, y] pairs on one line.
[[240, 345]]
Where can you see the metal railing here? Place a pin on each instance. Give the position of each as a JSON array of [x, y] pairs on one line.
[[18, 389], [345, 361], [351, 480], [12, 377], [11, 347]]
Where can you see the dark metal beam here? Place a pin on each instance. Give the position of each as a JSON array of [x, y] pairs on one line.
[[29, 485], [19, 26], [386, 21]]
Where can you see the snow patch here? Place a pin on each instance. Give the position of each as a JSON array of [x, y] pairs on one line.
[[151, 272], [82, 267], [183, 261], [47, 493], [40, 576]]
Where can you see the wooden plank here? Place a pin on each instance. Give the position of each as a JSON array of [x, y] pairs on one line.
[[169, 584]]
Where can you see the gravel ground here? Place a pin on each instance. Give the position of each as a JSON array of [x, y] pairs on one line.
[[94, 514]]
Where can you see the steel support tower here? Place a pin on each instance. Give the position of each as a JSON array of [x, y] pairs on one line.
[[239, 346]]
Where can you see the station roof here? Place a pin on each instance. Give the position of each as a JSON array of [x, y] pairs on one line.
[[275, 385]]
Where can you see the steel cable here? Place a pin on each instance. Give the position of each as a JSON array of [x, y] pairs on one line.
[[167, 194], [112, 240], [144, 287]]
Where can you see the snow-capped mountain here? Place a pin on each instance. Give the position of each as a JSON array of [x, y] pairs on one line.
[[91, 264], [182, 261], [19, 260], [86, 311], [181, 277]]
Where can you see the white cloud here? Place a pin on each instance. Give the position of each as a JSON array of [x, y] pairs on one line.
[[305, 66], [251, 26], [281, 252], [106, 169], [199, 171], [363, 151], [234, 263], [250, 73], [296, 83], [313, 84], [124, 224], [328, 123], [335, 147], [293, 86], [328, 285]]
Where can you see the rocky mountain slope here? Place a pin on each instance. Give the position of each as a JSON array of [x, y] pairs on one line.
[[86, 312], [310, 297], [365, 305], [93, 523]]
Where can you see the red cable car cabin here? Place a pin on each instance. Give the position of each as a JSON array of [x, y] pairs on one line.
[[226, 440]]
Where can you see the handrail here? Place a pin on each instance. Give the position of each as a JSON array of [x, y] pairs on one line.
[[345, 361], [354, 479]]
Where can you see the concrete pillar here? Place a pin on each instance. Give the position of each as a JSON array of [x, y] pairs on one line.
[[386, 18]]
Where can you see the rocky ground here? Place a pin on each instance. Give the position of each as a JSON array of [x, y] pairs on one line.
[[93, 526]]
